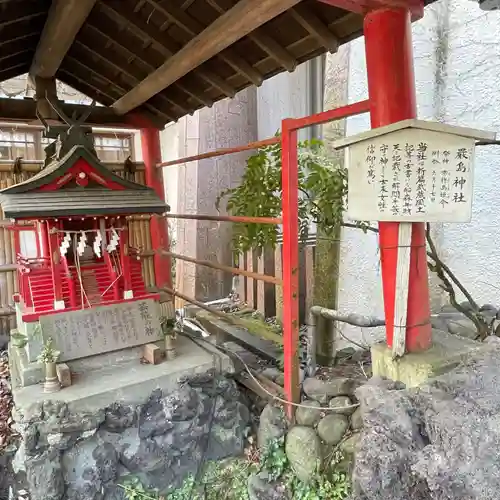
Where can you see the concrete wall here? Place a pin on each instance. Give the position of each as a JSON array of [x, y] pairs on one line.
[[194, 187]]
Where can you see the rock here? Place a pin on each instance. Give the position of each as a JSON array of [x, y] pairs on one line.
[[273, 425], [331, 429], [466, 305], [303, 450], [439, 323], [44, 476], [342, 405], [322, 391], [492, 340], [463, 327], [260, 487], [356, 420], [434, 442], [308, 414], [83, 456], [272, 373], [488, 307], [119, 417], [349, 445]]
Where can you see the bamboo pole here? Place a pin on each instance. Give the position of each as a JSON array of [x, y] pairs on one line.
[[222, 152], [214, 265]]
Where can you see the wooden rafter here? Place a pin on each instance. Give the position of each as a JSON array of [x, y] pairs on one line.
[[194, 28], [17, 13], [96, 66], [242, 19], [145, 57], [316, 27], [120, 65], [119, 39], [260, 37], [168, 47], [11, 32], [18, 46], [64, 21]]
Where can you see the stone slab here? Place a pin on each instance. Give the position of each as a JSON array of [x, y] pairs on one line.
[[414, 369], [78, 334], [129, 381]]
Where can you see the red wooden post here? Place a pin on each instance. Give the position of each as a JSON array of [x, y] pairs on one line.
[[44, 238], [391, 87], [290, 264], [151, 155], [56, 267], [125, 258]]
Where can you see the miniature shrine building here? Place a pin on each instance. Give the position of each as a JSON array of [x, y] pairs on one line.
[[76, 210], [83, 285]]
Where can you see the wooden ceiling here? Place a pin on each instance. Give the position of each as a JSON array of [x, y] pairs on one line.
[[120, 43]]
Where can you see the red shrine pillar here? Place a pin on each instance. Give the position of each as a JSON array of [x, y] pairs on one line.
[[56, 265], [391, 88], [151, 155]]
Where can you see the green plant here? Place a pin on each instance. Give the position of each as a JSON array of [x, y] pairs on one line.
[[228, 480], [273, 459], [48, 354], [322, 199]]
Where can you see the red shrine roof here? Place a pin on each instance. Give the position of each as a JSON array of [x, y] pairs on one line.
[[78, 185]]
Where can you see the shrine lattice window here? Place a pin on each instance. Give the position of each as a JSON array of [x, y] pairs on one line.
[[114, 147], [19, 143], [29, 144]]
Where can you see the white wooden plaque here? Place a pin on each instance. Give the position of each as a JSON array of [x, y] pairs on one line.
[[411, 175]]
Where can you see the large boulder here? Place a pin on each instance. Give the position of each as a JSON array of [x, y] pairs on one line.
[[303, 450], [436, 442], [273, 425]]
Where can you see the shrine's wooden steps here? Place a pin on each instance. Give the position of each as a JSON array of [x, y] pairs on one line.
[[97, 284], [42, 291], [137, 280]]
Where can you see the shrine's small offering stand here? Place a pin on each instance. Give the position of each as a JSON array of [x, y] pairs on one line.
[[412, 171]]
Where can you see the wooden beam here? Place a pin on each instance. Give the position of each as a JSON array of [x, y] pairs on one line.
[[306, 17], [194, 28], [236, 23], [259, 36], [167, 46], [64, 21], [24, 110]]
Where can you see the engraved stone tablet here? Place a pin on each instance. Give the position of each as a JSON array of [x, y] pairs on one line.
[[78, 334]]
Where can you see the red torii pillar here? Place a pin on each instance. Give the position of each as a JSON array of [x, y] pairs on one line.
[[151, 155], [391, 88]]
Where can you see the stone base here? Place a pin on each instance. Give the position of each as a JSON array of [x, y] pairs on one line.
[[414, 369], [121, 376], [117, 423]]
